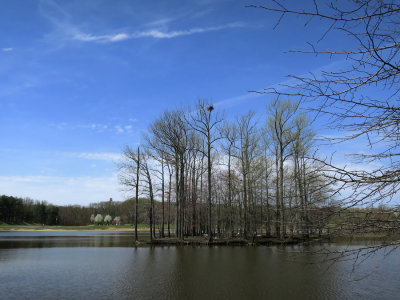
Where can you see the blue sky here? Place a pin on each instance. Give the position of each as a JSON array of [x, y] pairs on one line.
[[81, 79]]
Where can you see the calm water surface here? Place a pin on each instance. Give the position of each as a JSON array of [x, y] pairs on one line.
[[104, 265]]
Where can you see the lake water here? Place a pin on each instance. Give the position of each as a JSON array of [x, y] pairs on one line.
[[104, 265]]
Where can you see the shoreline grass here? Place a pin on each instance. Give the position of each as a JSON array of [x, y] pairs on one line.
[[38, 227], [144, 228]]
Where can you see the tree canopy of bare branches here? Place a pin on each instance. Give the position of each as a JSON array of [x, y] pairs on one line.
[[250, 173], [361, 100]]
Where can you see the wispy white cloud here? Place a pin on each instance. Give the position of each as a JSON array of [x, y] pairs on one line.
[[153, 33], [9, 49], [101, 38], [119, 37], [105, 156], [92, 126], [172, 34], [123, 128], [119, 129], [99, 127], [95, 126], [65, 29]]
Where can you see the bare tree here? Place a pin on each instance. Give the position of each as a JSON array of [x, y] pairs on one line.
[[361, 100], [247, 143], [204, 122], [129, 177], [171, 131], [170, 174], [302, 141], [229, 132], [240, 195], [147, 178], [158, 153], [280, 126], [267, 176], [346, 95]]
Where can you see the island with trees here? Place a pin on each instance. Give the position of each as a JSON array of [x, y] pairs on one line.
[[198, 176]]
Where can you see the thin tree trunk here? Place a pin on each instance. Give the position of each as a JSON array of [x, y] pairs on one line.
[[261, 206], [210, 233], [137, 195], [162, 195], [182, 198], [169, 204], [245, 204], [151, 204], [230, 195], [219, 214], [194, 196], [277, 200], [268, 221], [178, 202], [201, 196], [282, 193], [306, 218]]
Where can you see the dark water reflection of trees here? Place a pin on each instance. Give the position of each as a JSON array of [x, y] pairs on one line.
[[94, 265]]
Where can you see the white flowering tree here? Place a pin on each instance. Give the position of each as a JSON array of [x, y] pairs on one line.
[[117, 220], [98, 219], [107, 219]]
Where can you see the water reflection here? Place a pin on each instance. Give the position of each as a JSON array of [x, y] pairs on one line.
[[66, 239], [93, 265]]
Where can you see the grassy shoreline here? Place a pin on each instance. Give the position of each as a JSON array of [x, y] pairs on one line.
[[371, 237], [37, 227]]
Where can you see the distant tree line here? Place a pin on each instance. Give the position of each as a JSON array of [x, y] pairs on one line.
[[14, 210]]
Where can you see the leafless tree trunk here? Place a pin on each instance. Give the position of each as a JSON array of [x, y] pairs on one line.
[[137, 194], [229, 132], [130, 177], [202, 121], [248, 139], [162, 194], [170, 173]]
